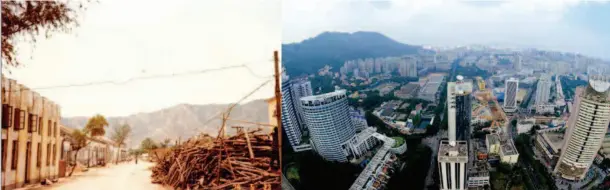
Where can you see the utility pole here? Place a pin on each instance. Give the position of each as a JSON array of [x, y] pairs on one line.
[[278, 103]]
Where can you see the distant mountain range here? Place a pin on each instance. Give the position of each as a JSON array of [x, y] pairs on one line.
[[334, 48], [181, 121]]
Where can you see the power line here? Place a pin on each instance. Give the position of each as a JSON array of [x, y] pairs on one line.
[[230, 108], [158, 76]]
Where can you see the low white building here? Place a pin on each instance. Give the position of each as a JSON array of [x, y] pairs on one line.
[[503, 147], [545, 109], [478, 170], [360, 143], [525, 125], [99, 151]]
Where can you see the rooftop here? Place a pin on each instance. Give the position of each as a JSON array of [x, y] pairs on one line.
[[430, 88], [387, 112], [493, 138], [462, 88], [435, 78], [459, 150], [554, 139], [322, 97], [508, 147]]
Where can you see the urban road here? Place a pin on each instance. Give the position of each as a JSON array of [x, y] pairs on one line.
[[124, 176]]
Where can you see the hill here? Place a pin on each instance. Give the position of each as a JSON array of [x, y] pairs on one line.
[[334, 48], [181, 121]]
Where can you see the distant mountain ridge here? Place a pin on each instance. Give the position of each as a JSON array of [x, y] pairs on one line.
[[334, 48], [181, 121]]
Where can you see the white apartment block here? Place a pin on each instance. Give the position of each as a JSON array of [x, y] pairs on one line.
[[543, 90], [301, 87], [290, 122]]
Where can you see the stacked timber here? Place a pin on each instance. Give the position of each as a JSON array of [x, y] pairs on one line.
[[242, 161]]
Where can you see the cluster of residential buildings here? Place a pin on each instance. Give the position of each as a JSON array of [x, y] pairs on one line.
[[35, 145], [406, 66]]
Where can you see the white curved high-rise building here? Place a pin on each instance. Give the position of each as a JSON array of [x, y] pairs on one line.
[[587, 127], [327, 117]]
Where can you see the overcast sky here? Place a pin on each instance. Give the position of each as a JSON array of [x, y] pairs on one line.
[[564, 25], [118, 40]]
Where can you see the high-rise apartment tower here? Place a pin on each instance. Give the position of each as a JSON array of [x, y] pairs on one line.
[[327, 117], [587, 127]]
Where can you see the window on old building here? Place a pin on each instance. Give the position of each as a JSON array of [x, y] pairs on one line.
[[16, 119], [15, 154], [40, 125], [7, 112], [54, 154], [4, 154], [33, 123], [55, 129], [49, 128], [22, 118], [48, 154], [39, 154]]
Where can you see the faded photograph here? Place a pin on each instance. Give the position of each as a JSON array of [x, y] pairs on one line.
[[130, 95]]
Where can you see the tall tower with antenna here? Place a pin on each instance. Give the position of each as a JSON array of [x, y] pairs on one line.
[[453, 153]]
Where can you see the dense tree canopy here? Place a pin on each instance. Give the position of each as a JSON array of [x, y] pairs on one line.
[[95, 125]]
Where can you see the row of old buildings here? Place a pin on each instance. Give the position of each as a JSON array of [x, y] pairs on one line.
[[35, 145]]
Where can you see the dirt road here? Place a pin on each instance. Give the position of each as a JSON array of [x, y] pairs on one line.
[[125, 176]]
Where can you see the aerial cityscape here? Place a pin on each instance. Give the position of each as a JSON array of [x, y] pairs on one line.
[[489, 118], [362, 110]]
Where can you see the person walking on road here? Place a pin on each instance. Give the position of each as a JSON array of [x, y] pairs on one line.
[[275, 149], [137, 158]]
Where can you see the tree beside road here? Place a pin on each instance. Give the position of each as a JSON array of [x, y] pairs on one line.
[[119, 136]]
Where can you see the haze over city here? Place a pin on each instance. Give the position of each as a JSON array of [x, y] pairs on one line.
[[569, 26]]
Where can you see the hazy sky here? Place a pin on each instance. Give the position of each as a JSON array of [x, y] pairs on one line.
[[565, 25], [118, 40]]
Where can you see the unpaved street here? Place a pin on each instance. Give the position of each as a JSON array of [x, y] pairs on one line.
[[125, 176]]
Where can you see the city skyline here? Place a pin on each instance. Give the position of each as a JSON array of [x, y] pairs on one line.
[[567, 26]]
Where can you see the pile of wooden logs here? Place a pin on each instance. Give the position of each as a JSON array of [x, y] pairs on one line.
[[238, 162]]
